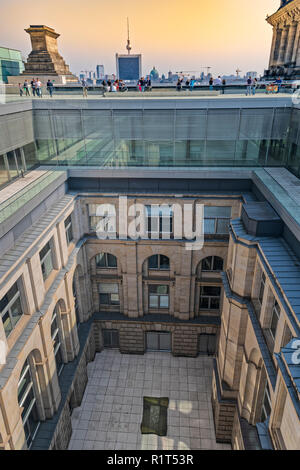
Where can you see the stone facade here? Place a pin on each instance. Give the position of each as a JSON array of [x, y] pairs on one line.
[[93, 287], [285, 49]]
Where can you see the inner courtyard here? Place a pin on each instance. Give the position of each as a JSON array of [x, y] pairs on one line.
[[111, 411]]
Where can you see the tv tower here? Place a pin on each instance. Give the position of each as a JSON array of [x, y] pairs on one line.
[[128, 47]]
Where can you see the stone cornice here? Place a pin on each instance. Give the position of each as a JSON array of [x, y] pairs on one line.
[[286, 15]]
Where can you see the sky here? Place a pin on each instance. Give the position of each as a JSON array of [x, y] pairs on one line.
[[174, 35]]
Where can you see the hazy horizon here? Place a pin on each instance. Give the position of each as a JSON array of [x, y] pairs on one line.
[[170, 35]]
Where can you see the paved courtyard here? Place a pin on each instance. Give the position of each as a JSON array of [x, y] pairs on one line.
[[111, 412]]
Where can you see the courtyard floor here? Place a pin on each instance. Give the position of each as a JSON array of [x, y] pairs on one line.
[[111, 411]]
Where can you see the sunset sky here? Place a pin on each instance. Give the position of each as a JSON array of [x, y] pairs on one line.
[[171, 34]]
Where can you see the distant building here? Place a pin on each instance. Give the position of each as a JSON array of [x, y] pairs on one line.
[[154, 75], [100, 72], [251, 74], [10, 63], [129, 67]]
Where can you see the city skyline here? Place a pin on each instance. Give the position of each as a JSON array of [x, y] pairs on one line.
[[223, 36]]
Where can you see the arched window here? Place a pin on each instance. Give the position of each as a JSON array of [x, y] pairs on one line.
[[56, 338], [160, 262], [106, 260], [27, 401], [212, 263]]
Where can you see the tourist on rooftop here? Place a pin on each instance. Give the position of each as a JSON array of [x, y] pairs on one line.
[[218, 81], [50, 88], [254, 86], [179, 84], [84, 88], [223, 86], [249, 86], [149, 84], [211, 83], [105, 85], [38, 88], [279, 84], [192, 84], [32, 83], [26, 88]]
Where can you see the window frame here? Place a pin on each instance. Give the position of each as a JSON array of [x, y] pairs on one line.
[[261, 292], [109, 294], [158, 218], [106, 256], [26, 412], [68, 228], [158, 295], [159, 268], [218, 219], [48, 254], [213, 259], [266, 400], [210, 298], [8, 308], [276, 311], [57, 343]]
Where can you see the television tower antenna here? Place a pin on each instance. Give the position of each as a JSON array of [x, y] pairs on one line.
[[128, 47]]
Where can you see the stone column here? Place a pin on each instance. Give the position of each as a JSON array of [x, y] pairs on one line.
[[277, 46], [290, 43], [296, 43], [283, 43], [275, 34]]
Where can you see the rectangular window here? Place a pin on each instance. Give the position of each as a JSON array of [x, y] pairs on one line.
[[159, 220], [266, 406], [69, 230], [262, 288], [94, 219], [158, 296], [210, 298], [46, 261], [11, 309], [216, 219], [109, 294], [274, 319]]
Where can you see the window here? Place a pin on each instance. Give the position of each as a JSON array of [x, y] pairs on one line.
[[76, 304], [46, 261], [207, 344], [274, 319], [106, 260], [212, 263], [111, 338], [210, 297], [287, 336], [158, 341], [159, 220], [109, 294], [266, 406], [159, 262], [110, 218], [68, 229], [11, 309], [158, 296], [27, 401], [56, 343], [262, 288], [216, 219]]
